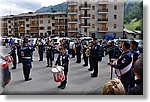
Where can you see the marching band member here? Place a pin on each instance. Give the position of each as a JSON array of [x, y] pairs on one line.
[[124, 65], [63, 60]]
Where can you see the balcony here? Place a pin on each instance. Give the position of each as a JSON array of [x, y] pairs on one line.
[[72, 20], [101, 20], [102, 29], [72, 30], [21, 30], [102, 11], [85, 25], [103, 2], [85, 16], [71, 3], [72, 11], [34, 31], [34, 25], [85, 7]]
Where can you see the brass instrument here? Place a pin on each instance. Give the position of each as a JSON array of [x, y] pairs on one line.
[[87, 52]]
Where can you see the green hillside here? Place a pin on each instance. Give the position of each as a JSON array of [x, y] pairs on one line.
[[134, 24]]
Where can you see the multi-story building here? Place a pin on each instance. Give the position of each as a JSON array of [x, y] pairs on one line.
[[35, 24], [95, 17], [84, 18]]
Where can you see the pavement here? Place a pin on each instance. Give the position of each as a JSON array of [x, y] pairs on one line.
[[42, 83]]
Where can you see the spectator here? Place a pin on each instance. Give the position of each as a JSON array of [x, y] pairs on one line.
[[113, 87], [138, 89]]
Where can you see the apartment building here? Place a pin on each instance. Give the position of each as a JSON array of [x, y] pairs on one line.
[[35, 24], [95, 17]]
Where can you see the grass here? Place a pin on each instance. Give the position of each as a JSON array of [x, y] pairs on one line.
[[132, 25]]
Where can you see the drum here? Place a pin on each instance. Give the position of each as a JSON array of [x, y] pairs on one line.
[[58, 73], [9, 59]]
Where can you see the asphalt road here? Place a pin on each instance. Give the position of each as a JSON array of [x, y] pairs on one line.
[[79, 80]]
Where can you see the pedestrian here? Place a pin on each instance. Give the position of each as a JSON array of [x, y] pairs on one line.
[[41, 49], [63, 60], [78, 50], [95, 56], [113, 87], [11, 41], [13, 54], [73, 50], [26, 59], [124, 65], [136, 54], [138, 68]]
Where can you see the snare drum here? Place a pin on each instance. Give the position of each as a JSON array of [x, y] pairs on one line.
[[58, 73]]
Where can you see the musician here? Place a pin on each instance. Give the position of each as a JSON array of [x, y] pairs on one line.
[[41, 49], [50, 52], [63, 60], [85, 57], [26, 52], [78, 50], [123, 66], [136, 54]]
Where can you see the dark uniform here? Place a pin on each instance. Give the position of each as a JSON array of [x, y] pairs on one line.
[[95, 56], [19, 53], [85, 45], [136, 54], [26, 52], [41, 50], [78, 51], [63, 60], [49, 54], [123, 69], [13, 54]]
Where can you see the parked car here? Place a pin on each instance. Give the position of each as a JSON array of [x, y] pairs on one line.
[[140, 46], [6, 75]]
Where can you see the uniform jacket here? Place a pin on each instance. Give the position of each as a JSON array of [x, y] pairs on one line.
[[136, 54], [95, 51]]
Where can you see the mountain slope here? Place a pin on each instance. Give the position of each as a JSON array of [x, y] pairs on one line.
[[56, 8]]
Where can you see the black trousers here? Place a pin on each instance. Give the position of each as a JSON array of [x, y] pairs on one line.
[[65, 81], [79, 57], [85, 59], [90, 60], [19, 57], [49, 59], [73, 53], [14, 61], [41, 55], [26, 72], [95, 66]]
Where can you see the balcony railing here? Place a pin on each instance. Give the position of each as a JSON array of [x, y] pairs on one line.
[[85, 24], [103, 19], [34, 31], [72, 29], [72, 3], [101, 2], [85, 16], [34, 25], [102, 10], [72, 20], [85, 6], [72, 11]]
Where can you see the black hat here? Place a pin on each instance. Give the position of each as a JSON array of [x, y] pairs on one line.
[[25, 41], [95, 38]]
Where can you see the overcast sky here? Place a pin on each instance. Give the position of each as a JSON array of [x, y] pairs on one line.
[[14, 7]]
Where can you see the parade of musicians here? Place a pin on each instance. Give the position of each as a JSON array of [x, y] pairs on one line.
[[88, 54]]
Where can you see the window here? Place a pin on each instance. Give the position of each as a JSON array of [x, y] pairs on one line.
[[9, 31], [115, 25], [41, 16], [93, 7], [41, 28], [27, 19], [9, 21], [115, 7], [48, 27], [41, 21], [48, 21], [115, 16], [9, 26], [53, 18], [27, 25], [93, 25], [85, 29], [93, 16], [53, 24]]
